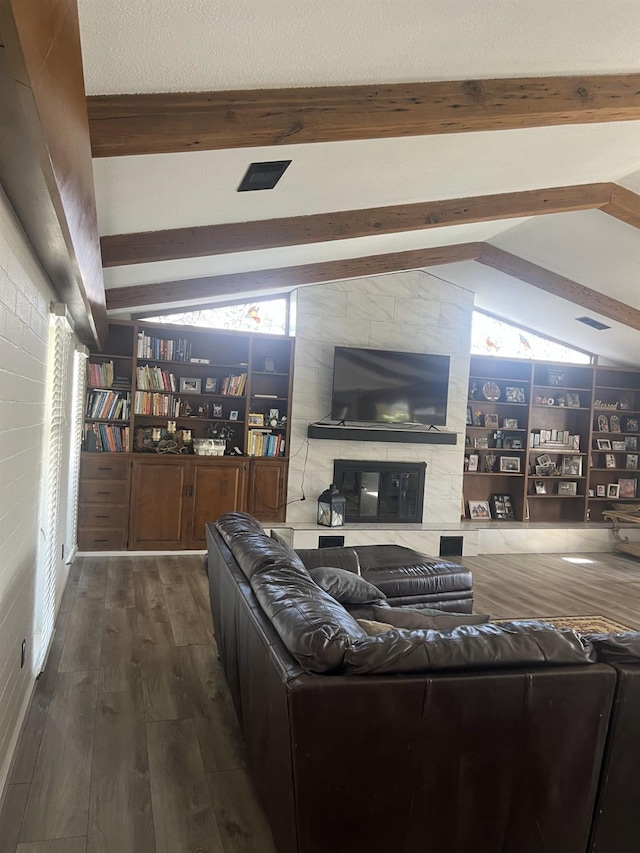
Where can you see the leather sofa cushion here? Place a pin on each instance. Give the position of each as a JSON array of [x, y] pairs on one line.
[[620, 649], [470, 647], [427, 619], [344, 586], [402, 572], [341, 558]]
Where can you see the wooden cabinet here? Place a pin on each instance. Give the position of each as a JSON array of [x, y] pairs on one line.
[[173, 499], [103, 502], [155, 383], [217, 486], [267, 490]]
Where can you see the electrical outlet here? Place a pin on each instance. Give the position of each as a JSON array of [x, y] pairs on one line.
[[23, 653]]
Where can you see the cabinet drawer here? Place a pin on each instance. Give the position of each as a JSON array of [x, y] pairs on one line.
[[104, 491], [104, 466], [101, 540], [97, 515]]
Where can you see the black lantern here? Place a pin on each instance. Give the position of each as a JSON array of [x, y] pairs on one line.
[[331, 507]]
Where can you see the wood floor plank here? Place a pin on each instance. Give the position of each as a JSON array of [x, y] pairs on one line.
[[242, 823], [183, 813], [119, 592], [170, 568], [60, 845], [212, 709], [144, 564], [149, 596], [120, 652], [58, 803], [81, 652], [120, 819], [15, 802], [164, 686], [93, 578], [186, 623]]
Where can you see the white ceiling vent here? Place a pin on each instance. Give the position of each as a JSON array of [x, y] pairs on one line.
[[263, 176]]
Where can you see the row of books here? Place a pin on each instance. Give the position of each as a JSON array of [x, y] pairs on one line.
[[233, 385], [154, 378], [263, 442], [109, 405], [148, 403], [561, 438], [101, 374], [166, 349], [106, 438]]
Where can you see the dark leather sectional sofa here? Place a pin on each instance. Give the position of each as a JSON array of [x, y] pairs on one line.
[[485, 738]]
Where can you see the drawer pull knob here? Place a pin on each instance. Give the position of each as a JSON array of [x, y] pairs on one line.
[[102, 516]]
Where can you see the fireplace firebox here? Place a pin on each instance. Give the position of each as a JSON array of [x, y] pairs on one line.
[[381, 491]]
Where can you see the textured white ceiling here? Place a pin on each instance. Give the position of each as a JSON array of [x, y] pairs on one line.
[[174, 190], [159, 46], [132, 46]]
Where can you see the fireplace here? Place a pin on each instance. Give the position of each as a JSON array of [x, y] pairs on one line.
[[381, 491]]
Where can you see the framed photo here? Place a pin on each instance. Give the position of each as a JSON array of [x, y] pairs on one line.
[[491, 421], [510, 464], [627, 486], [269, 364], [603, 444], [482, 442], [567, 488], [631, 425], [473, 462], [630, 442], [614, 422], [624, 403], [632, 460], [601, 491], [210, 385], [216, 410], [189, 385], [573, 399], [501, 506], [514, 395], [543, 470], [233, 416], [469, 416], [613, 490], [544, 460], [255, 419], [618, 445], [592, 493], [477, 418], [479, 510], [510, 423], [610, 460], [555, 376], [603, 423], [541, 488], [572, 465]]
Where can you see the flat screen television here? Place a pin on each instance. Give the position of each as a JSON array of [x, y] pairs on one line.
[[386, 387]]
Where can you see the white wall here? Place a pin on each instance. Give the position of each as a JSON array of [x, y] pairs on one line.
[[25, 295], [410, 311]]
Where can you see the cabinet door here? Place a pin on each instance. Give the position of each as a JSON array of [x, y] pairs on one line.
[[217, 487], [157, 504], [267, 489]]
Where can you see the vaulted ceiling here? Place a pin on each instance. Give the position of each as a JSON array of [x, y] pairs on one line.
[[495, 143]]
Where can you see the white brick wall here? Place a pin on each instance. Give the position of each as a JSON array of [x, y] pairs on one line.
[[407, 311], [25, 295]]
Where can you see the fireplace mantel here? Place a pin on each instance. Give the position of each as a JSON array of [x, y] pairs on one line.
[[406, 435]]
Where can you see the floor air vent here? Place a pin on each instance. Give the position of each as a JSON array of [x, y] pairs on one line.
[[595, 324], [263, 176]]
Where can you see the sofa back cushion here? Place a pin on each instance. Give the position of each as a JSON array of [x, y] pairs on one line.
[[314, 627], [341, 558]]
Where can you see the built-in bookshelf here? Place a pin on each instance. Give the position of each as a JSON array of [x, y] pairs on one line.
[[561, 440]]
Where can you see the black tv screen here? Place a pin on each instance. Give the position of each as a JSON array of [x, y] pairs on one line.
[[378, 386]]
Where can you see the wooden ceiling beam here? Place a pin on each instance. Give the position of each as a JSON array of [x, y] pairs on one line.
[[152, 246], [168, 292], [624, 205], [558, 285], [201, 121]]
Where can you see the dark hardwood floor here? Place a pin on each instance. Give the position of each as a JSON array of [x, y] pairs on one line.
[[131, 743]]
